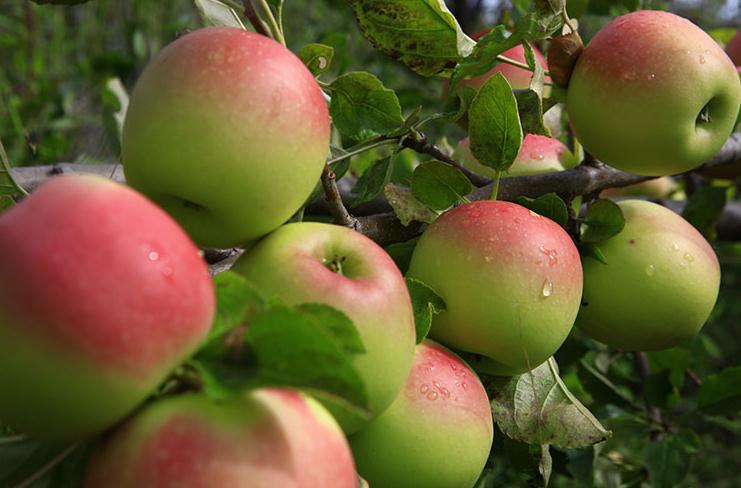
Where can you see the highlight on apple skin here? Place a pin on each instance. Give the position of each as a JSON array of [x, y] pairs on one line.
[[510, 278], [653, 94], [538, 155], [264, 439], [330, 264], [658, 287], [437, 433], [106, 298], [206, 134]]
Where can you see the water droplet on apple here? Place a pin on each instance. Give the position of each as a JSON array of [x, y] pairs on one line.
[[432, 396], [702, 59], [539, 156], [547, 289], [487, 259], [153, 256], [650, 269], [464, 385], [445, 392], [688, 257], [675, 247], [551, 253], [424, 388]]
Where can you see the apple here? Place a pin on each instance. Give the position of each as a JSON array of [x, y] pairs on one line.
[[658, 287], [264, 439], [538, 155], [228, 131], [733, 48], [655, 188], [653, 94], [511, 280], [102, 294], [330, 264], [437, 433]]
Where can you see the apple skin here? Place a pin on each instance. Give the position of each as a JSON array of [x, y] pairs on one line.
[[228, 131], [511, 280], [436, 434], [538, 155], [264, 439], [102, 294], [658, 287], [733, 49], [518, 78], [292, 264], [639, 87]]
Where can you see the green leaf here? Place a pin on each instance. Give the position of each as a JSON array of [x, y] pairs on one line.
[[457, 107], [494, 127], [530, 110], [604, 219], [217, 14], [9, 188], [316, 57], [371, 182], [439, 185], [593, 251], [362, 107], [549, 205], [704, 208], [54, 466], [537, 408], [542, 21], [484, 55], [422, 34], [721, 393], [401, 253], [115, 102], [426, 304], [289, 349], [236, 300], [667, 461], [538, 78], [406, 207], [336, 323]]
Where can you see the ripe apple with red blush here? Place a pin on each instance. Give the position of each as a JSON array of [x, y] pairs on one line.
[[102, 295]]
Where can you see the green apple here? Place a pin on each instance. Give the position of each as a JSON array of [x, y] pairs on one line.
[[102, 294], [653, 94], [538, 155], [436, 434], [511, 280], [228, 131], [655, 188], [658, 287], [264, 439], [337, 266]]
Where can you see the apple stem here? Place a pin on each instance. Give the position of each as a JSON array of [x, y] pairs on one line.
[[495, 186]]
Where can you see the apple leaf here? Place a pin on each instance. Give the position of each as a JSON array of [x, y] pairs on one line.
[[543, 19], [422, 34], [603, 220], [334, 321], [426, 303], [549, 205], [530, 109], [217, 14], [720, 393], [439, 185], [9, 188], [316, 57], [370, 184], [401, 253], [537, 408], [494, 127], [537, 80], [406, 207], [593, 251], [667, 461], [362, 107], [457, 107], [484, 55], [704, 207], [290, 349], [27, 462]]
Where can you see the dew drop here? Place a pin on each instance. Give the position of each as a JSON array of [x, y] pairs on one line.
[[153, 256], [650, 269], [432, 396], [540, 156], [424, 388], [675, 247], [445, 392], [551, 253], [688, 257], [547, 289], [487, 259], [464, 385], [702, 59]]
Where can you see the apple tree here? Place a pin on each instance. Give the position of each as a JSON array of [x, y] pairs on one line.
[[503, 259]]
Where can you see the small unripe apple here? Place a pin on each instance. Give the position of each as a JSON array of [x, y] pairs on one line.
[[654, 188], [264, 439], [102, 294], [653, 94], [337, 266], [228, 131], [658, 287], [511, 280], [538, 155], [734, 49], [436, 434]]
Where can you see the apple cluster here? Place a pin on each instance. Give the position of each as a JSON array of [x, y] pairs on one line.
[[111, 294]]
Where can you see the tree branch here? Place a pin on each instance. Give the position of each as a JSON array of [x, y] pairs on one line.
[[334, 199], [422, 146]]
